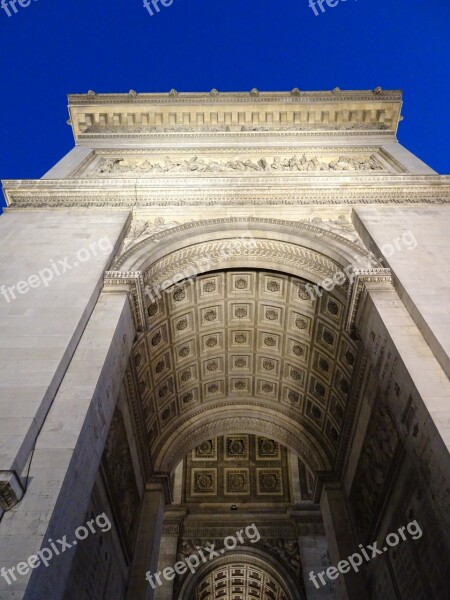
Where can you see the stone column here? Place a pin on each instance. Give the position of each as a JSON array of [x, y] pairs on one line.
[[341, 543], [168, 552], [178, 483], [295, 477], [148, 542]]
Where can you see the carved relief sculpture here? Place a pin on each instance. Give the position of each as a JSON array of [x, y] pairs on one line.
[[197, 164]]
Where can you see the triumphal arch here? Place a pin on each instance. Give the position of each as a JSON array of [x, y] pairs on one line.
[[225, 330]]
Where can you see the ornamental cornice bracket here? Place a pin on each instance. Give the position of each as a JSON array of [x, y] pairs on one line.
[[163, 481], [357, 292], [132, 283]]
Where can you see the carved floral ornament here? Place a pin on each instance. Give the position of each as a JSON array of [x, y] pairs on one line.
[[213, 255]]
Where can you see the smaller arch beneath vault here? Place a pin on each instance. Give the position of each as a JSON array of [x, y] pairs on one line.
[[247, 555], [178, 442]]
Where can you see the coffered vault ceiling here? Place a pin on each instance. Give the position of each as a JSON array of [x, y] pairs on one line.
[[239, 581], [252, 338]]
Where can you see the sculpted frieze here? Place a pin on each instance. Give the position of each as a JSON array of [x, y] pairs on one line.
[[236, 128], [196, 164]]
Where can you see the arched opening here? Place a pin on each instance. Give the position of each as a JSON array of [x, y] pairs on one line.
[[240, 331], [248, 575], [239, 341]]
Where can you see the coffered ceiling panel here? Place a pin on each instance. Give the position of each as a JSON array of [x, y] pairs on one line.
[[237, 468]]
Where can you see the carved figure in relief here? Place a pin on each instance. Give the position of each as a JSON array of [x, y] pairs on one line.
[[287, 551], [197, 164], [188, 547], [375, 461]]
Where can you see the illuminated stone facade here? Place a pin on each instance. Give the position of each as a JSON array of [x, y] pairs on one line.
[[245, 326]]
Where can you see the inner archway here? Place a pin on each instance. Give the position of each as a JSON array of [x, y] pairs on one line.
[[236, 493], [244, 354], [246, 576], [237, 333]]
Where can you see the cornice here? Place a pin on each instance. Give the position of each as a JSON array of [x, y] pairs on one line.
[[230, 190], [357, 290], [131, 282], [142, 114], [239, 150], [188, 138], [214, 96]]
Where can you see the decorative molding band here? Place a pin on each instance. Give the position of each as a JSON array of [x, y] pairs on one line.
[[135, 404], [176, 138], [238, 150], [228, 191], [278, 529], [357, 287]]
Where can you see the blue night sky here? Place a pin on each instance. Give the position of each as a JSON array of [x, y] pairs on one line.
[[50, 49]]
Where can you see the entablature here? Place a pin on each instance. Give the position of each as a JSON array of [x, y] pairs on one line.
[[96, 116]]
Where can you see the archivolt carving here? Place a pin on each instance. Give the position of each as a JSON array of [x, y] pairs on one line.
[[251, 223], [212, 255]]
